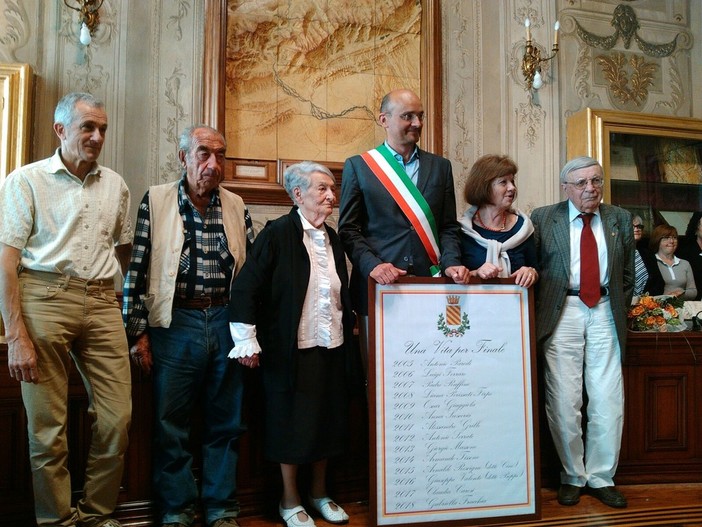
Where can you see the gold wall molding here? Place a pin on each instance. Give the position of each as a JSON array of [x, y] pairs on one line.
[[16, 82], [629, 77]]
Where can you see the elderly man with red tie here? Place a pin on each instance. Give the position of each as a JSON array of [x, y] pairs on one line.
[[586, 263]]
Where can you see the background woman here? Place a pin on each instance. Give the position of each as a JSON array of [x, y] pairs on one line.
[[690, 249], [652, 282], [290, 312], [496, 239], [677, 273]]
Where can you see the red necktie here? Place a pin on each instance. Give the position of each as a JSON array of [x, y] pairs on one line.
[[589, 264]]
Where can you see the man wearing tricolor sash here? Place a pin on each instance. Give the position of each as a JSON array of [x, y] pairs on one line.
[[397, 214]]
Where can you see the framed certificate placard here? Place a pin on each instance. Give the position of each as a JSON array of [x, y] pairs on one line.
[[452, 391]]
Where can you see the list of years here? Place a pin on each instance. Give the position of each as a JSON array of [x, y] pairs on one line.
[[441, 413]]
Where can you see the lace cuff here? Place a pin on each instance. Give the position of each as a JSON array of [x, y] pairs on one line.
[[244, 337]]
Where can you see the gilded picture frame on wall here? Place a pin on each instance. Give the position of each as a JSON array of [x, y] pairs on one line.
[[15, 116], [652, 163], [15, 123], [298, 82]]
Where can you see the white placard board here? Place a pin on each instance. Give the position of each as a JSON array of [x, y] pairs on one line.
[[451, 380]]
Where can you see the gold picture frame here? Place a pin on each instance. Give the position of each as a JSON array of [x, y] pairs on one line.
[[15, 116], [15, 123], [652, 163], [259, 181]]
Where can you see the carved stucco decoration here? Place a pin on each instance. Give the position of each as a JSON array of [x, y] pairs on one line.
[[175, 115], [531, 117], [630, 78], [175, 21], [462, 49], [530, 114], [624, 86], [626, 25], [173, 111], [14, 30], [84, 74]]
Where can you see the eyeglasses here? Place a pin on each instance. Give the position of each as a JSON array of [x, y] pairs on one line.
[[670, 238], [410, 116], [580, 184], [638, 226]]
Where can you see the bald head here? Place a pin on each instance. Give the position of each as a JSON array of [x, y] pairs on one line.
[[402, 116], [391, 98]]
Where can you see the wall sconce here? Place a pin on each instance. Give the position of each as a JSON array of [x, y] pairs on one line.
[[531, 62], [89, 17]]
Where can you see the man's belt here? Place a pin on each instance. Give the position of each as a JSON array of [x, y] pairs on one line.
[[604, 291], [203, 302]]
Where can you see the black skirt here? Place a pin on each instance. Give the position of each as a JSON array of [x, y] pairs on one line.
[[308, 423]]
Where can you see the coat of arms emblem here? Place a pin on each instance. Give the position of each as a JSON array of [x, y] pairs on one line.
[[454, 323]]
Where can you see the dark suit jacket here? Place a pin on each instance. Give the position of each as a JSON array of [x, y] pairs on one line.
[[655, 283], [270, 292], [374, 230], [690, 250], [552, 237]]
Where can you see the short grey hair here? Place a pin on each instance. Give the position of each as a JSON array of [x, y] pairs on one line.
[[386, 103], [577, 164], [185, 141], [298, 176], [65, 112]]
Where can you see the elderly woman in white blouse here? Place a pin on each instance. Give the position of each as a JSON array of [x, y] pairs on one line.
[[290, 312]]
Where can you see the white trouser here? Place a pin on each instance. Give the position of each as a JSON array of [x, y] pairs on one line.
[[584, 347]]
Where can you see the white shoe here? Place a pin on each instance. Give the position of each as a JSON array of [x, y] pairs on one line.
[[291, 519], [323, 507]]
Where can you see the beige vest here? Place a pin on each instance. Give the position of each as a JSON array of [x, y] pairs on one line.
[[167, 237]]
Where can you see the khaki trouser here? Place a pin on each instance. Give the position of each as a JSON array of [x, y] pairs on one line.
[[70, 317]]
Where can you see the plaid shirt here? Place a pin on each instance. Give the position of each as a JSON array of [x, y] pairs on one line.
[[206, 264]]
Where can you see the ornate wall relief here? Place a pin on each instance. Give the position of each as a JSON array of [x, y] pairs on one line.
[[629, 58], [14, 30]]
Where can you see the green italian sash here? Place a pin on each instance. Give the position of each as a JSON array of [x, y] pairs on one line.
[[405, 193]]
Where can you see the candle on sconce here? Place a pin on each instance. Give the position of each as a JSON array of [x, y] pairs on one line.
[[527, 25], [556, 27]]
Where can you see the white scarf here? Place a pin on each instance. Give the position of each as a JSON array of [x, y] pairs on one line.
[[496, 251]]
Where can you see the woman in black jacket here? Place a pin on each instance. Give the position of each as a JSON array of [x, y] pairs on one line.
[[291, 313]]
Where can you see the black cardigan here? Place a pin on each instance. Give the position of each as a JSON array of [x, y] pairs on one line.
[[270, 292]]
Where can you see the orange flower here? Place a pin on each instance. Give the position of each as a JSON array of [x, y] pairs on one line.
[[670, 309], [658, 314], [648, 302], [636, 311]]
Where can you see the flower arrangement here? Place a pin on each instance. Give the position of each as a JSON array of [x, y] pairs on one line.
[[658, 313]]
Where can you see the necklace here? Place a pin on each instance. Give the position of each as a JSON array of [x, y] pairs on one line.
[[479, 220]]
